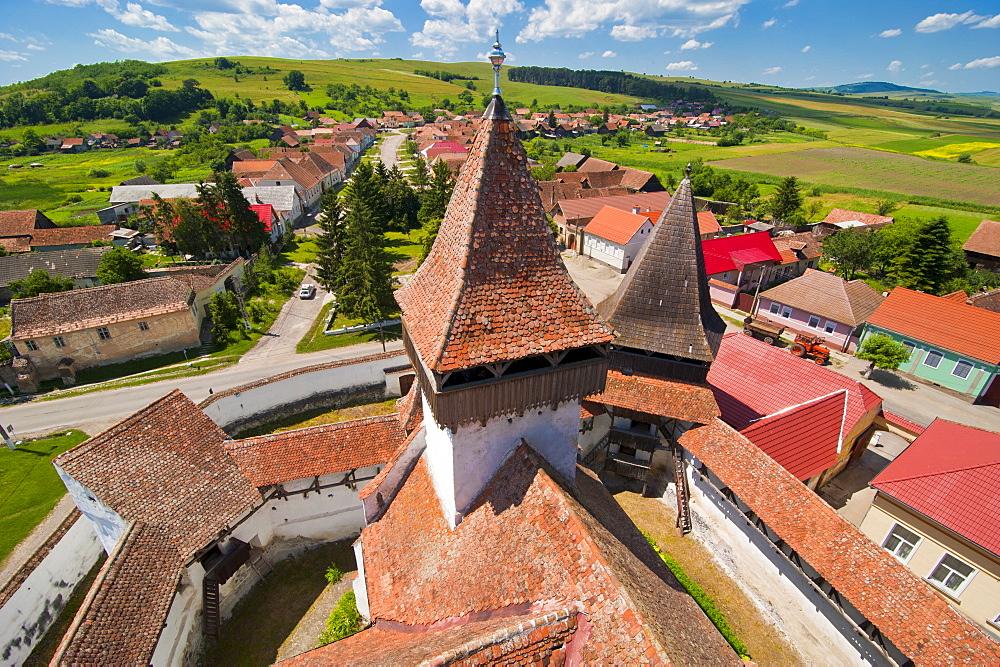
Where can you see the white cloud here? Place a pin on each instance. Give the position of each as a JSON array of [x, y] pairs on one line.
[[956, 66], [7, 35], [418, 55], [790, 3], [981, 63], [895, 66], [924, 66], [454, 23], [928, 75], [34, 47], [772, 70], [992, 22], [938, 22], [810, 78], [864, 76], [806, 49], [768, 23], [892, 32], [609, 54], [11, 56], [628, 19], [695, 44], [682, 66], [585, 55], [135, 15], [160, 47]]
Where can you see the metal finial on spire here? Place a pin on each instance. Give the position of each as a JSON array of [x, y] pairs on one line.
[[497, 56], [687, 171]]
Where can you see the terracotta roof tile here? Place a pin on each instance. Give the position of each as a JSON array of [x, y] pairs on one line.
[[319, 450], [410, 409], [951, 473], [619, 226], [985, 240], [961, 328], [663, 304], [527, 540], [843, 215], [905, 609], [752, 379], [575, 209], [165, 466], [828, 296], [707, 223], [70, 235], [494, 287], [53, 314], [665, 398], [123, 615], [803, 245], [593, 164], [23, 223]]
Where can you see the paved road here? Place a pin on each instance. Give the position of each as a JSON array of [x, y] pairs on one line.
[[292, 323], [390, 147], [98, 410]]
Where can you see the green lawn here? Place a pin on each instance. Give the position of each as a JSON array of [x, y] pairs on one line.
[[29, 486], [314, 341], [301, 249]]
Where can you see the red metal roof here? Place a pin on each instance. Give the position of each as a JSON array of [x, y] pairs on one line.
[[619, 226], [752, 379], [265, 212], [951, 474], [804, 439], [719, 252], [959, 327]]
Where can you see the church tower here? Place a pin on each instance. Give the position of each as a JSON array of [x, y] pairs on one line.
[[504, 344]]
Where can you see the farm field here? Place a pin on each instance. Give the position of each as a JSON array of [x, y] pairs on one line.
[[864, 168]]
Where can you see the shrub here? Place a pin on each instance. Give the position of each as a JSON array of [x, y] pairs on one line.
[[343, 621], [333, 574], [98, 173], [72, 199], [702, 598]]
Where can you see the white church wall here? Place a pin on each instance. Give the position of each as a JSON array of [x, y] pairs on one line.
[[593, 435], [36, 604], [779, 590], [108, 525], [181, 636], [360, 584]]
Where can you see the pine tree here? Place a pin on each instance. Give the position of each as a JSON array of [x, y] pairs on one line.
[[787, 200], [928, 261], [331, 242], [401, 201], [435, 199]]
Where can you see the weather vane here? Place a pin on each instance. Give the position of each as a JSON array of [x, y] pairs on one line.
[[497, 56]]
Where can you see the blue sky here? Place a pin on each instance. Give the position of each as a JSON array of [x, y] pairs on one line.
[[949, 46]]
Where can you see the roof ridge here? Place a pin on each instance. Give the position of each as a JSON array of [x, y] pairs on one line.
[[939, 473], [235, 443]]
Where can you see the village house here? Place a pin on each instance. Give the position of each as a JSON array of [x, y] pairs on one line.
[[819, 303], [935, 510], [31, 230], [17, 228], [952, 344], [96, 326], [284, 199], [982, 250], [739, 263], [615, 236], [840, 218], [573, 215], [78, 265]]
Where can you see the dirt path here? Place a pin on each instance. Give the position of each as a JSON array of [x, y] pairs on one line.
[[305, 634]]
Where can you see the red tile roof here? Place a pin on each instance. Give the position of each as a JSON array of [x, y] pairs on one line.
[[961, 328], [539, 637], [805, 439], [722, 254], [70, 235], [165, 466], [985, 240], [915, 618], [22, 223], [494, 287], [843, 215], [320, 450], [752, 379], [619, 226], [526, 540], [665, 398], [951, 474], [574, 209], [707, 223]]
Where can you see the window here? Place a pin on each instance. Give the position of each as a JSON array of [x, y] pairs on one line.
[[103, 333], [901, 542], [786, 312], [143, 326], [933, 358], [831, 327], [32, 345], [952, 574], [962, 369], [775, 308], [58, 340], [627, 451], [909, 346], [814, 322]]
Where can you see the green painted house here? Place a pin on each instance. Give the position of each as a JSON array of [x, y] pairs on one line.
[[952, 344]]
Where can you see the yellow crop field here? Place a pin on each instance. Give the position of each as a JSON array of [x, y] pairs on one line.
[[952, 151]]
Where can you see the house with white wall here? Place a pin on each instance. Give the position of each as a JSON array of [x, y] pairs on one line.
[[615, 236]]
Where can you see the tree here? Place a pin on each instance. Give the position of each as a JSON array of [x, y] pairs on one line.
[[224, 205], [331, 242], [295, 80], [225, 312], [402, 202], [787, 200], [929, 260], [552, 118], [883, 352], [119, 265], [965, 158], [435, 199], [885, 206], [39, 282], [428, 232], [850, 250]]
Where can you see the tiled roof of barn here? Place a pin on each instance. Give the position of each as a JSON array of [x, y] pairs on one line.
[[494, 287], [665, 398], [663, 303]]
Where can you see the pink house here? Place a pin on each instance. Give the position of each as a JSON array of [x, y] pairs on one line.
[[818, 303]]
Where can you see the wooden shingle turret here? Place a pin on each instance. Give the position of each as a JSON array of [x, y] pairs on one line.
[[661, 311], [493, 298]]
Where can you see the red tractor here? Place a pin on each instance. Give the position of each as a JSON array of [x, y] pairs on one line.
[[810, 346]]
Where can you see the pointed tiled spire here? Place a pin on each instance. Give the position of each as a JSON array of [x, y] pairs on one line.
[[663, 305], [493, 287]]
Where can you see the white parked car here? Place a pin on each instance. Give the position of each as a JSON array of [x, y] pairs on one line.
[[307, 291]]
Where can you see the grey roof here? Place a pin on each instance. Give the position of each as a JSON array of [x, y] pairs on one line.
[[663, 304], [134, 193], [280, 197], [571, 159], [79, 263], [144, 179]]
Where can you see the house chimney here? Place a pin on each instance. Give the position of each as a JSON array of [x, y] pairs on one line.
[[635, 209]]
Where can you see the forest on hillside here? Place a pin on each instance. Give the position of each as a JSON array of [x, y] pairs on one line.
[[606, 81]]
